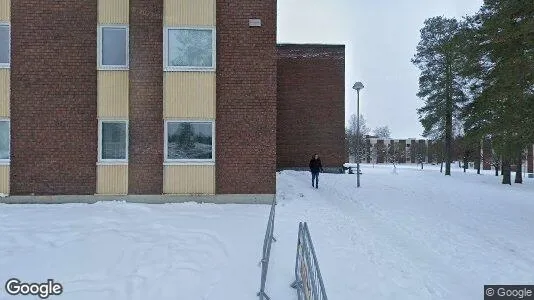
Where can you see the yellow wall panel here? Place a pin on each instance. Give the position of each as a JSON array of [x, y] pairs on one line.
[[189, 95], [112, 179], [190, 180], [189, 12], [4, 93], [113, 11], [113, 94], [4, 179], [5, 10]]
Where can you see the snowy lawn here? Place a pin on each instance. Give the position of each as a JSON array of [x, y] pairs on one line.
[[134, 251], [412, 235]]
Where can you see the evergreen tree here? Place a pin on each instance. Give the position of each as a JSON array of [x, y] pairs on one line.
[[501, 56], [440, 60]]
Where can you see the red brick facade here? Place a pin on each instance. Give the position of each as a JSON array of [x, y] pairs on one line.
[[53, 97], [145, 169], [246, 98], [269, 98], [311, 105]]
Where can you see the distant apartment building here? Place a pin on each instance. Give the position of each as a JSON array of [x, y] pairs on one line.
[[413, 150], [160, 97]]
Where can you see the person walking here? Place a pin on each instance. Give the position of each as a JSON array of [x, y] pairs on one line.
[[315, 168]]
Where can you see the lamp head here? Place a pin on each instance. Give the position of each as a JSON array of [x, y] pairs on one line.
[[358, 86]]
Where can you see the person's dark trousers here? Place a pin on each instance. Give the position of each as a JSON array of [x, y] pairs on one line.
[[315, 178]]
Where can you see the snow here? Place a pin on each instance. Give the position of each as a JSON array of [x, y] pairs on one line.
[[412, 235], [134, 251]]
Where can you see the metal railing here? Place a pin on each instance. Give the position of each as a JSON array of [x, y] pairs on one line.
[[267, 242], [308, 281]]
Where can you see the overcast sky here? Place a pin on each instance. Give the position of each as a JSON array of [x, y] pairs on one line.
[[380, 38]]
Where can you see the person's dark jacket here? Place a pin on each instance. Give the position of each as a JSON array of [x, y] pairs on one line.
[[315, 165]]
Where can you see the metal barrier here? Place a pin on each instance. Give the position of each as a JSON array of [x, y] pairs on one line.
[[308, 281], [267, 242]]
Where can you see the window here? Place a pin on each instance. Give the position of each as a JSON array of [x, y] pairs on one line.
[[113, 44], [5, 141], [5, 45], [113, 141], [189, 141], [189, 49]]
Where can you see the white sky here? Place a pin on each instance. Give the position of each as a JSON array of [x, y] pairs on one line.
[[380, 38]]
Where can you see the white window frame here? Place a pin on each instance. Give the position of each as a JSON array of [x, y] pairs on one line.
[[8, 64], [168, 68], [100, 55], [112, 161], [7, 161], [167, 161]]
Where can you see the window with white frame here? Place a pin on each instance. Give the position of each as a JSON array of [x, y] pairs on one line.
[[5, 45], [189, 49], [5, 141], [113, 44], [189, 141], [113, 141]]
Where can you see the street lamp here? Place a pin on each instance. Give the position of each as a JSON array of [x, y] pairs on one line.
[[358, 86]]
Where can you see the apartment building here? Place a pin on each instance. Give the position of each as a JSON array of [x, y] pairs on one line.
[[411, 150], [142, 97]]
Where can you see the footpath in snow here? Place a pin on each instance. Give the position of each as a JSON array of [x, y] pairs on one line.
[[413, 235]]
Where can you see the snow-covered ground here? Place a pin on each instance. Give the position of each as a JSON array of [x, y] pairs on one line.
[[412, 235], [134, 251]]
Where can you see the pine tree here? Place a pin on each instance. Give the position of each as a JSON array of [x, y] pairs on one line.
[[501, 72], [440, 85]]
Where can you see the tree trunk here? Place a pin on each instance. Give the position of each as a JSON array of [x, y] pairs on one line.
[[448, 122], [506, 172], [441, 167], [518, 171], [496, 170], [480, 157], [465, 163]]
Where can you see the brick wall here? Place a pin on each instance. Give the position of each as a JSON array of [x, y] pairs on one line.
[[402, 148], [145, 169], [53, 97], [246, 98], [381, 151], [311, 105]]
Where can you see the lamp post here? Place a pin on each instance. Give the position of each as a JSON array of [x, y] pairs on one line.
[[358, 86]]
